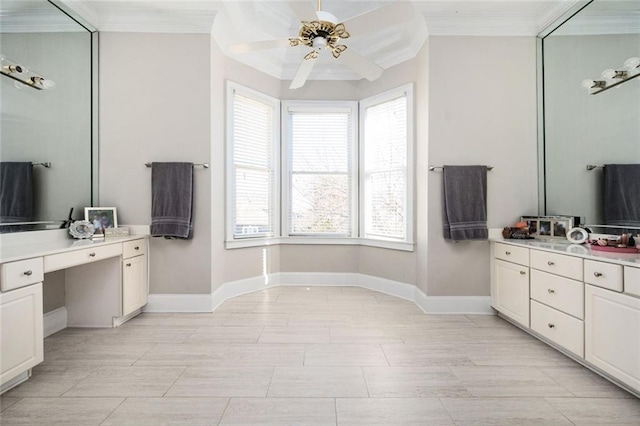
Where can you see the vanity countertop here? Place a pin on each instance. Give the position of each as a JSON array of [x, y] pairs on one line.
[[583, 251], [14, 252]]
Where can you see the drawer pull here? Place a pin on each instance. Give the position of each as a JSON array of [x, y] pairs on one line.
[[128, 264], [550, 263], [507, 253], [551, 325], [551, 291], [28, 273], [92, 255], [136, 248], [597, 274], [523, 273]]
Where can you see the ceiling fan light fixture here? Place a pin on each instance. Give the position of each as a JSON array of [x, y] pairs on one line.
[[319, 43]]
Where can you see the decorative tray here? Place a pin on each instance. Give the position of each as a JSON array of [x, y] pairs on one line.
[[614, 249]]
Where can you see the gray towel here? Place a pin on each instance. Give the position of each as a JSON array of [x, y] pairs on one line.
[[16, 192], [465, 203], [172, 200], [622, 194]]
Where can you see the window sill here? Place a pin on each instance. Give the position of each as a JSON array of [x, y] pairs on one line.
[[262, 242]]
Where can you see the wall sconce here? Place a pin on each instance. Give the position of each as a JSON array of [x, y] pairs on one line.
[[23, 76], [613, 77]]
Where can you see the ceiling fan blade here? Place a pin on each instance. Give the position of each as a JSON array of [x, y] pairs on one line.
[[303, 73], [303, 9], [258, 45], [386, 16], [363, 66]]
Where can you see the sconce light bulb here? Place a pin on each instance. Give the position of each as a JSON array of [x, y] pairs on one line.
[[588, 84], [13, 68], [632, 63], [42, 82], [609, 74], [47, 84]]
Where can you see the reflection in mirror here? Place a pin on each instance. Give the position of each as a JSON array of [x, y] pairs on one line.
[[45, 111], [582, 129]]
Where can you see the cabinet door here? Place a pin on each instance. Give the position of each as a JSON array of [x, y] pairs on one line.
[[134, 284], [512, 291], [21, 338], [612, 333]]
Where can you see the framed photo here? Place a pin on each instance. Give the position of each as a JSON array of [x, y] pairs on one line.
[[545, 228], [533, 226], [560, 228], [101, 218]]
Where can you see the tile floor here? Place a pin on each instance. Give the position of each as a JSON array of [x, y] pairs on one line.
[[322, 355]]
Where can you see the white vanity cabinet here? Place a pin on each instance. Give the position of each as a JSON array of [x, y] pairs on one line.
[[511, 282], [134, 276], [612, 333], [21, 338], [105, 285], [582, 302]]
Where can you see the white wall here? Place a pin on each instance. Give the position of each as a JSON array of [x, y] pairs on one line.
[[155, 106], [482, 110], [458, 121]]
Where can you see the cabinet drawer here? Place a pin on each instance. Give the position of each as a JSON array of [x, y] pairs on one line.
[[560, 293], [558, 327], [515, 254], [632, 280], [559, 264], [601, 274], [21, 273], [133, 248], [56, 262]]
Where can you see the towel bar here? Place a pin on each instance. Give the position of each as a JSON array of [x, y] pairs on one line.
[[205, 165], [432, 168], [593, 167], [46, 164]]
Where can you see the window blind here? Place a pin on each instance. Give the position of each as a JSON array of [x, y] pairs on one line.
[[321, 181], [385, 169], [253, 163]]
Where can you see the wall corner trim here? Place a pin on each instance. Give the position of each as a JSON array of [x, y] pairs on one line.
[[54, 321], [479, 305]]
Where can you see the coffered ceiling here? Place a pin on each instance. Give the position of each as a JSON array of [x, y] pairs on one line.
[[240, 21]]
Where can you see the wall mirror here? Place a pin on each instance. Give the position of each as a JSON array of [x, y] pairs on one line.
[[53, 128], [580, 129]]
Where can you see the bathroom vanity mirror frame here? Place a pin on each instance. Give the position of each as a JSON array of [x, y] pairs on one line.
[[52, 223], [550, 199], [570, 13]]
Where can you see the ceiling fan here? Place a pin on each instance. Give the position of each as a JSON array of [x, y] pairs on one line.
[[322, 31]]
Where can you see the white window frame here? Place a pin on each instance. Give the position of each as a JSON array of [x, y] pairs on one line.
[[281, 166], [406, 91], [318, 106], [250, 240]]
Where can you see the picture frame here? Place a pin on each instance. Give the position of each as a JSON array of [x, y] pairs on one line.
[[101, 218], [550, 227]]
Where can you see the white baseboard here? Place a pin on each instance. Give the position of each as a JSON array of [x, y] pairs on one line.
[[210, 302], [54, 321], [238, 288]]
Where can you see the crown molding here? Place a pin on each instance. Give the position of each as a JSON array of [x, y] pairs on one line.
[[601, 24], [82, 9]]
